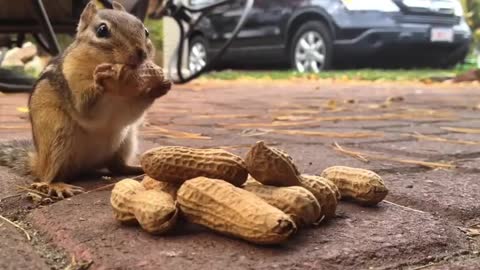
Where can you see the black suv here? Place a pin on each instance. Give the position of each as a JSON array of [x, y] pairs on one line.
[[311, 35]]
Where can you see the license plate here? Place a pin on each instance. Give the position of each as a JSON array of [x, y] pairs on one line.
[[441, 35]]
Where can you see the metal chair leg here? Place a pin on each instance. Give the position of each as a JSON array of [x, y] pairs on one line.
[[46, 26]]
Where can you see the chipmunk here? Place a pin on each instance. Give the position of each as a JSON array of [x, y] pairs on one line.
[[78, 125]]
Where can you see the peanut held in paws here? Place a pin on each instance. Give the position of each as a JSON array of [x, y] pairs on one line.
[[152, 80], [117, 79], [147, 79]]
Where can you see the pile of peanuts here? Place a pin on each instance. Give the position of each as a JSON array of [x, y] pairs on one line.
[[262, 199]]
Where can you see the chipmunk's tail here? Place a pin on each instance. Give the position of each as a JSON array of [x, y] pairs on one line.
[[16, 155]]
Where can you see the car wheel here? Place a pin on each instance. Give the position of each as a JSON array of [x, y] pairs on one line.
[[197, 54], [456, 57], [311, 48]]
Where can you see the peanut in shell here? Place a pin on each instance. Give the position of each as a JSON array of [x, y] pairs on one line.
[[154, 210], [297, 202], [271, 166], [170, 188], [147, 79], [363, 186], [332, 186], [176, 164], [322, 191], [233, 211]]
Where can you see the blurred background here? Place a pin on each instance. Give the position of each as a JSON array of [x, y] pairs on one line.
[[352, 39]]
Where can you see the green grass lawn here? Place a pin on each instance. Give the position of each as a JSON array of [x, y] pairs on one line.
[[360, 74]]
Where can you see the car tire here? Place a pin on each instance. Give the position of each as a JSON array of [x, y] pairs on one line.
[[456, 57], [197, 53], [314, 33]]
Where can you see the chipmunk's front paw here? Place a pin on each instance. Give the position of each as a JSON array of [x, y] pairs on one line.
[[59, 190], [103, 74], [117, 79]]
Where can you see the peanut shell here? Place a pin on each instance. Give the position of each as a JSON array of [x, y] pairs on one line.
[[233, 211], [271, 166], [157, 212], [176, 164], [147, 79], [322, 191], [154, 210], [364, 186], [170, 188], [295, 201]]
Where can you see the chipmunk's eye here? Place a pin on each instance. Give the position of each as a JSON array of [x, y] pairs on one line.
[[102, 31], [147, 34]]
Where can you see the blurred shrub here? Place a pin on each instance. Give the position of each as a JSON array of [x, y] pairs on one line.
[[472, 15], [155, 27]]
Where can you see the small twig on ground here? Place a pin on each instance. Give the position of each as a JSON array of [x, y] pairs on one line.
[[153, 130], [15, 225], [363, 156], [107, 187], [10, 196], [462, 130], [329, 134], [419, 136], [350, 153], [426, 266], [474, 225], [139, 177], [404, 207], [412, 115], [15, 127]]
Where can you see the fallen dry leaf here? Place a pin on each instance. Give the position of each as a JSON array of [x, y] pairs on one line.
[[394, 99], [331, 104], [23, 109], [387, 103], [351, 101]]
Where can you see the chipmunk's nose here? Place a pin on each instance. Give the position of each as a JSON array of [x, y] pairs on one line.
[[141, 54]]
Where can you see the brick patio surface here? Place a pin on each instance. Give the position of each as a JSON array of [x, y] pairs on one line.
[[429, 219]]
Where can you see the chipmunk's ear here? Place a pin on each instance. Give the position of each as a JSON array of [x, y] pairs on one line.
[[87, 15], [117, 6]]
